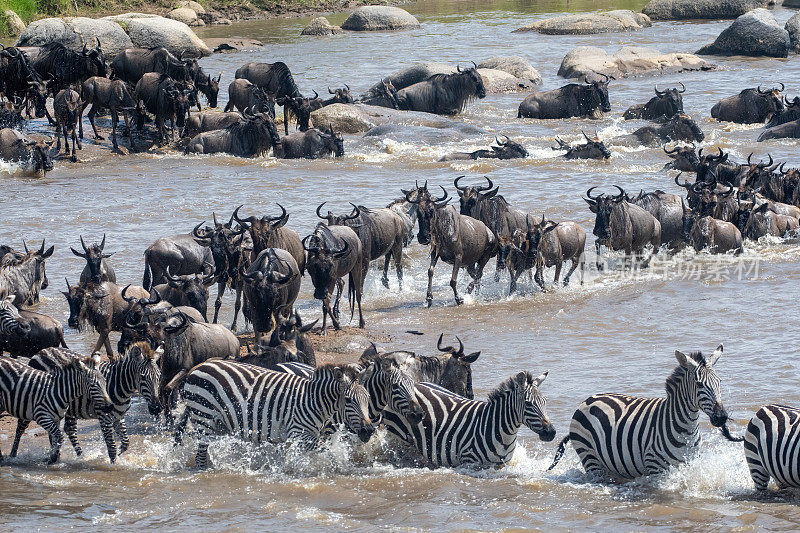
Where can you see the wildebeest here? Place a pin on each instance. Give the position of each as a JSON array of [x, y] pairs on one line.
[[665, 104], [505, 149], [163, 98], [340, 96], [26, 276], [335, 252], [293, 337], [762, 221], [572, 100], [270, 232], [667, 209], [382, 234], [484, 204], [210, 120], [554, 243], [97, 269], [594, 148], [679, 128], [683, 158], [32, 157], [788, 130], [383, 95], [20, 82], [456, 239], [789, 113], [113, 95], [243, 94], [67, 68], [181, 253], [717, 168], [188, 290], [749, 106], [42, 332], [153, 310], [443, 94], [133, 63], [253, 136], [708, 233], [67, 108], [312, 144], [620, 225], [205, 83], [271, 281], [299, 108], [275, 78]]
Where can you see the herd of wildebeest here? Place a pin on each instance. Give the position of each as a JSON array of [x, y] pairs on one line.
[[168, 344]]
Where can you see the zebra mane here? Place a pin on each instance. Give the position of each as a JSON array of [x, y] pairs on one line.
[[680, 371], [509, 385], [351, 371]]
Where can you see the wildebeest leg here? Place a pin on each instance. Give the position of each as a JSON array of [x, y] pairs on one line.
[[539, 276], [477, 274], [92, 114], [571, 270], [454, 279], [100, 342], [22, 425], [385, 278], [160, 122], [397, 254], [126, 118], [237, 306], [434, 259], [114, 122], [285, 120], [80, 119], [339, 289], [598, 263], [218, 302], [326, 308], [558, 273]]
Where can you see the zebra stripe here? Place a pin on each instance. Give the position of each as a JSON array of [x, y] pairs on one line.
[[629, 436], [9, 317], [137, 370], [458, 431], [772, 446], [259, 405], [31, 394]]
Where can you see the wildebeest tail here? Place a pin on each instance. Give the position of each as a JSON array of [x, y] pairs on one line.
[[286, 84], [559, 452], [147, 278]]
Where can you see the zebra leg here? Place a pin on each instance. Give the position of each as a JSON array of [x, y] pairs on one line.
[[107, 428], [71, 429], [122, 432], [22, 425], [180, 428], [56, 438]]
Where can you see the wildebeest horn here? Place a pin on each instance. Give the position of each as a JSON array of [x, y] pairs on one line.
[[443, 198], [499, 142], [488, 187], [25, 247], [355, 214], [243, 223], [330, 91], [589, 194], [279, 217], [621, 194], [458, 68], [214, 218], [170, 277], [180, 326], [683, 88], [124, 291], [41, 248], [408, 197], [782, 86], [685, 184], [450, 349], [320, 207], [151, 301], [669, 151], [68, 287], [304, 241], [659, 93], [781, 168], [103, 242], [316, 95], [196, 231], [342, 251], [605, 76], [348, 87], [455, 182], [763, 165], [586, 136], [474, 65], [83, 244]]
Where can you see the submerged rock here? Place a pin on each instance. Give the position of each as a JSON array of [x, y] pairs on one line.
[[591, 61], [378, 18], [588, 23], [321, 26]]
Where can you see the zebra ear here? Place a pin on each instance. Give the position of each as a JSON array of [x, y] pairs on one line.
[[10, 298], [521, 378], [712, 359], [158, 353], [386, 364], [338, 374], [684, 360], [538, 381]]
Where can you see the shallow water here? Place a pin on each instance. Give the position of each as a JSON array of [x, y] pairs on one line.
[[613, 334]]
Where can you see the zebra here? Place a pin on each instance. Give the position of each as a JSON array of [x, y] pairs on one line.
[[11, 323], [137, 370], [772, 446], [628, 436], [31, 394], [260, 405], [457, 431]]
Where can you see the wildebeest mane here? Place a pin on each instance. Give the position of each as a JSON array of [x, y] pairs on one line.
[[284, 82], [457, 86]]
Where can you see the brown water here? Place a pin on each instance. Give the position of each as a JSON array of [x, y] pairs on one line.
[[612, 334]]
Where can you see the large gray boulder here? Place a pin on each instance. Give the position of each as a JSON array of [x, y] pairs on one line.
[[499, 81], [186, 15], [74, 32], [359, 118], [588, 23], [590, 61], [416, 73], [13, 22], [700, 9], [148, 31], [517, 66], [321, 26], [793, 27], [379, 18], [755, 33]]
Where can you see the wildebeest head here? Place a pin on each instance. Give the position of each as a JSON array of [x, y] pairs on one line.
[[38, 258], [74, 296], [473, 80], [268, 284], [773, 97], [602, 206], [508, 149], [40, 154], [469, 196], [685, 128], [37, 93], [94, 257], [790, 112], [707, 165], [666, 103], [594, 148], [595, 94], [262, 101], [386, 95], [95, 60], [684, 158], [426, 212], [536, 232], [262, 229], [457, 372], [194, 288], [223, 241], [300, 107], [324, 250], [505, 245], [289, 326], [341, 96], [687, 222], [339, 220], [334, 143], [210, 88]]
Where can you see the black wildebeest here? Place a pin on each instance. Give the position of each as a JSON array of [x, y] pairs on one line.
[[620, 225], [270, 232], [335, 252], [573, 100], [789, 113], [708, 233], [552, 244], [593, 148], [190, 290], [253, 136], [749, 106], [683, 158], [484, 204], [664, 104], [67, 107], [32, 157], [243, 94], [271, 281], [456, 239], [443, 94], [679, 128], [97, 269], [667, 209], [67, 68], [788, 130], [181, 253], [210, 120], [299, 108], [312, 144], [505, 149], [383, 95], [205, 83], [133, 63], [113, 95], [41, 332], [25, 276], [340, 96], [382, 233], [19, 81], [276, 79], [163, 98]]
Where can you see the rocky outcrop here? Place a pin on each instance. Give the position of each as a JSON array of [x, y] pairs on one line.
[[359, 118], [588, 23], [13, 22], [590, 61], [793, 27], [186, 15], [517, 66], [500, 81], [700, 9], [148, 31], [380, 18], [321, 26], [74, 32], [231, 44], [755, 33]]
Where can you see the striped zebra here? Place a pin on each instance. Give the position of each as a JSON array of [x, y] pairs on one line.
[[772, 446], [11, 323], [137, 370], [260, 405], [31, 394], [629, 436], [458, 431]]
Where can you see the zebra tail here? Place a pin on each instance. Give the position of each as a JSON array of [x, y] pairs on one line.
[[726, 432], [559, 452]]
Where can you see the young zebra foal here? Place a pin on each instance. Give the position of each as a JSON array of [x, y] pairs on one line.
[[137, 370], [771, 446], [31, 394], [628, 436]]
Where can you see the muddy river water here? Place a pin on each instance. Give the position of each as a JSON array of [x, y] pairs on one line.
[[613, 334]]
